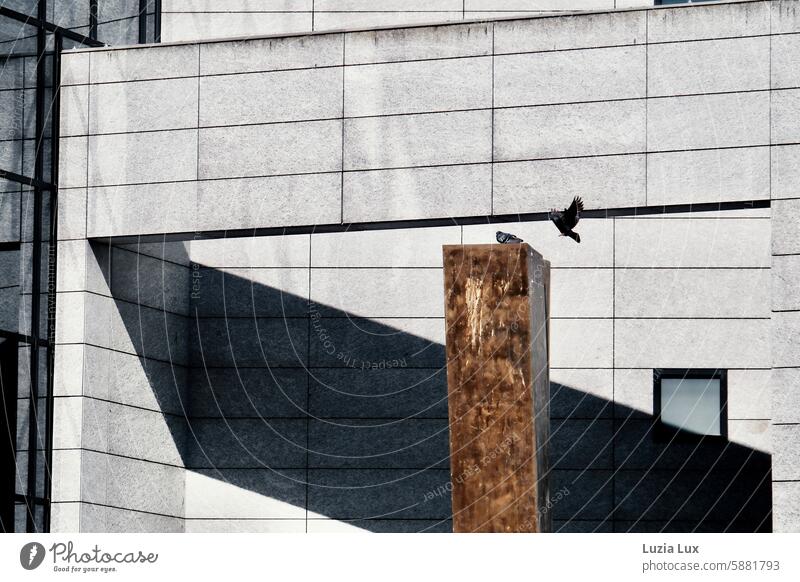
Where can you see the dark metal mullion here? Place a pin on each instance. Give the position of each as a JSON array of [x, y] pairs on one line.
[[93, 19], [8, 246], [157, 21], [51, 272], [33, 416], [142, 21], [20, 337], [32, 500], [55, 106], [27, 181]]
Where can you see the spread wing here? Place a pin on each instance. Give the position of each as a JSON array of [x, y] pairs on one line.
[[571, 215]]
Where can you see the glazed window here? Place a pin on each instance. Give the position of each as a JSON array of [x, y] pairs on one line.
[[689, 402]]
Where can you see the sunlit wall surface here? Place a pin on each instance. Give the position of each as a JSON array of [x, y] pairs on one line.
[[207, 19]]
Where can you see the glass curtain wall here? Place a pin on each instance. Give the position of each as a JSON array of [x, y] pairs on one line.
[[33, 33]]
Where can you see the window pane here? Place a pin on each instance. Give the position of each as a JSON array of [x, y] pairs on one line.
[[28, 7], [20, 517], [691, 404], [16, 37], [73, 15]]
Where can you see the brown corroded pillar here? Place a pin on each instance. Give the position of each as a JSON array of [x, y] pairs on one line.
[[498, 387]]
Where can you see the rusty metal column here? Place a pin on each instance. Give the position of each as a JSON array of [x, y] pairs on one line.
[[496, 307]]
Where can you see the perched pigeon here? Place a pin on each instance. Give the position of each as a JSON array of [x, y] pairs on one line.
[[507, 238], [565, 221]]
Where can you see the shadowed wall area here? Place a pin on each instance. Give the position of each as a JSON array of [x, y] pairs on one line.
[[234, 388]]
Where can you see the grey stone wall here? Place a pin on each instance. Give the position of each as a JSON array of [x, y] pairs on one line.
[[785, 296], [646, 107], [641, 300], [488, 118], [205, 19], [331, 415], [120, 388], [785, 385], [321, 416], [278, 423]]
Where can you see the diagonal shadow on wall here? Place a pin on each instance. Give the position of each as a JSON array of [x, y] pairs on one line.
[[282, 409]]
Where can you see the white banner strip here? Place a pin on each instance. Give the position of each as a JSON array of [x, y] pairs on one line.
[[332, 557]]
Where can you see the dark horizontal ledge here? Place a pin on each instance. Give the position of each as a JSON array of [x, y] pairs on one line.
[[24, 339], [25, 180], [428, 222], [8, 247], [418, 521]]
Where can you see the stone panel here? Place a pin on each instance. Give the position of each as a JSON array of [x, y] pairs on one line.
[[708, 121], [703, 293], [403, 44], [377, 292], [137, 64], [270, 54], [281, 96], [570, 32], [684, 242], [418, 140], [245, 203], [540, 185], [708, 176], [416, 193], [383, 248], [712, 66], [268, 150], [570, 76], [583, 129], [138, 158], [417, 87], [143, 106], [700, 22], [692, 343]]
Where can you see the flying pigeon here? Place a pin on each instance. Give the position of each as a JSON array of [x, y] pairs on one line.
[[565, 221], [507, 238]]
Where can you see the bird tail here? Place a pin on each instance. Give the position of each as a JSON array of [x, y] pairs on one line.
[[575, 236]]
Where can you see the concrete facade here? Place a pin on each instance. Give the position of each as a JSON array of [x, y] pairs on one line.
[[199, 375], [785, 324], [267, 428], [379, 130], [185, 20]]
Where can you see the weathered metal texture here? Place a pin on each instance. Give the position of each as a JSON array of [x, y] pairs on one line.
[[498, 387]]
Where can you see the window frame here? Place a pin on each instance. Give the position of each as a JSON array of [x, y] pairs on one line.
[[665, 433]]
